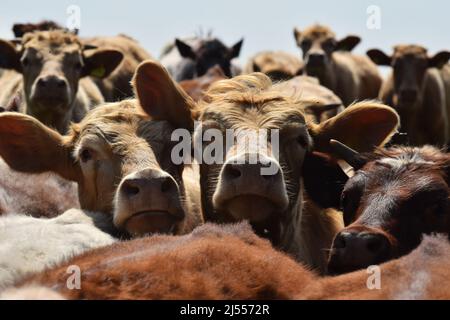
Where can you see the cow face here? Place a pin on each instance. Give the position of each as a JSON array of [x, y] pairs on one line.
[[318, 44], [409, 64], [397, 196], [52, 63], [119, 157], [252, 183], [209, 53]]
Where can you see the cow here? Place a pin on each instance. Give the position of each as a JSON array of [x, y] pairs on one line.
[[324, 104], [416, 89], [278, 65], [47, 72], [231, 262], [393, 197], [351, 77], [19, 29], [119, 155], [193, 57], [234, 186], [197, 87], [29, 245], [117, 86]]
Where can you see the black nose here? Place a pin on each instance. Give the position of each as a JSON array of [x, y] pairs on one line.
[[316, 59], [408, 95], [52, 83], [357, 250]]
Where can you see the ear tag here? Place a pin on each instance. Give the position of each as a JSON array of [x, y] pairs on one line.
[[98, 72], [348, 169]]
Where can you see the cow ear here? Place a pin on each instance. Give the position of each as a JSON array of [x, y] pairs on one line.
[[379, 57], [29, 146], [297, 35], [9, 57], [101, 63], [362, 127], [235, 50], [439, 59], [162, 98], [348, 43], [185, 50]]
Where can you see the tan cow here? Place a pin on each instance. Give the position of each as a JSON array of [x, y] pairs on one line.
[[419, 89], [120, 156], [117, 85], [236, 188], [231, 262], [48, 76], [351, 77], [278, 65]]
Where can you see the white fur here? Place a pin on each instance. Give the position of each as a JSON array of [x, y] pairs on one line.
[[29, 245]]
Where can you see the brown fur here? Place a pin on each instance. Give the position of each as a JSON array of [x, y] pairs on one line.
[[278, 65], [251, 101], [200, 265], [117, 86], [196, 88], [425, 117], [350, 76]]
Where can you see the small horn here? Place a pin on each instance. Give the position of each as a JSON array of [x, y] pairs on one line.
[[347, 154]]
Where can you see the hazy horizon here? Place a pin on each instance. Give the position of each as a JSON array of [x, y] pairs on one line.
[[265, 25]]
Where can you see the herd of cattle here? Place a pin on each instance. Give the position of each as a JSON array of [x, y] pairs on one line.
[[87, 178]]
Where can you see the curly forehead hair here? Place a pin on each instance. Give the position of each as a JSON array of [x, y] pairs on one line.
[[54, 37]]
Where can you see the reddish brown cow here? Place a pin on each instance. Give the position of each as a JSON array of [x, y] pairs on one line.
[[120, 156], [231, 262], [278, 65], [395, 197], [235, 188], [196, 88], [416, 89], [350, 76]]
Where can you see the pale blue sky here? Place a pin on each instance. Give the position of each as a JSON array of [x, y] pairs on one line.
[[264, 24]]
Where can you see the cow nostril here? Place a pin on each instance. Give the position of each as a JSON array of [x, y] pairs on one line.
[[42, 82], [232, 171], [60, 83], [374, 244], [129, 189], [339, 242], [166, 185]]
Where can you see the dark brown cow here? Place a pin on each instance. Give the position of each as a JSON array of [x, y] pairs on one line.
[[395, 197], [191, 59], [350, 76], [19, 29], [231, 262], [196, 88], [48, 72], [416, 89], [235, 188], [119, 155]]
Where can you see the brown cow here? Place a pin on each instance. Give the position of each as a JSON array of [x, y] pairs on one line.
[[416, 90], [231, 262], [324, 104], [196, 88], [117, 85], [192, 58], [397, 195], [47, 72], [119, 157], [236, 188], [350, 76], [20, 29], [278, 65]]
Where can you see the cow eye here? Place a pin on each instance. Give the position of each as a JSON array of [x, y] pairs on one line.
[[86, 155], [305, 43]]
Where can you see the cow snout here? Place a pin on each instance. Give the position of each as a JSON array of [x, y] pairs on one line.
[[251, 190], [356, 250], [51, 83], [408, 96], [50, 90], [148, 202], [315, 60]]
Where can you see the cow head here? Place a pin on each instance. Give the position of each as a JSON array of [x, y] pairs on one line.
[[208, 53], [318, 43], [250, 182], [52, 63], [120, 154], [409, 64], [395, 197]]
